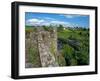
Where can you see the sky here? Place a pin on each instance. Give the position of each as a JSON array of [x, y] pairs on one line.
[[66, 20]]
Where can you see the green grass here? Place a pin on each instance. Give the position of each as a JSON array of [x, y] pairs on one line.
[[73, 53], [29, 29]]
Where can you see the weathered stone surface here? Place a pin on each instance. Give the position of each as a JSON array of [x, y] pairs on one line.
[[44, 42], [28, 65], [32, 58]]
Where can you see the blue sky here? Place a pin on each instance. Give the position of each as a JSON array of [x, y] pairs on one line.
[[71, 20]]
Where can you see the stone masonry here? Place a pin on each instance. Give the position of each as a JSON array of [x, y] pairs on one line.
[[44, 42]]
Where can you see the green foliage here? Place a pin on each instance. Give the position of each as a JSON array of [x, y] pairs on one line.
[[52, 47], [46, 28], [61, 60], [68, 53], [34, 56], [75, 46], [28, 30], [32, 51], [60, 28]]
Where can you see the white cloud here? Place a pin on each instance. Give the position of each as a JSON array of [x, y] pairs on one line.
[[40, 22], [57, 22], [60, 22], [71, 15], [34, 21], [48, 18]]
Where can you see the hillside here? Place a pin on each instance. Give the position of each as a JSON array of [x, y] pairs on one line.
[[60, 46]]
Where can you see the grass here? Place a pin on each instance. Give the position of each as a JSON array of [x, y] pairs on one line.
[[76, 51]]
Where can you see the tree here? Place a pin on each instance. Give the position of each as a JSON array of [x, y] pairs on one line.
[[60, 28]]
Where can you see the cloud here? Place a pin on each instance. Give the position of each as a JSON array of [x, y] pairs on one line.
[[48, 18], [34, 21], [71, 15], [40, 22], [60, 22], [57, 22]]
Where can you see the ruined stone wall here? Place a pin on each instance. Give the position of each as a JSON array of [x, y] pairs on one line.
[[47, 48], [32, 58], [41, 48]]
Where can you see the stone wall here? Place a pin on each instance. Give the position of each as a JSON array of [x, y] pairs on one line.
[[32, 58], [47, 47], [41, 48]]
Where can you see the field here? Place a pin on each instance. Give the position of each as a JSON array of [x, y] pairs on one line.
[[70, 46]]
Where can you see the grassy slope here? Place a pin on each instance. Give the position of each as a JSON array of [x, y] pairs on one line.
[[75, 54]]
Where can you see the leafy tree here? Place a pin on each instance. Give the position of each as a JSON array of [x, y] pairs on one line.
[[60, 28]]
